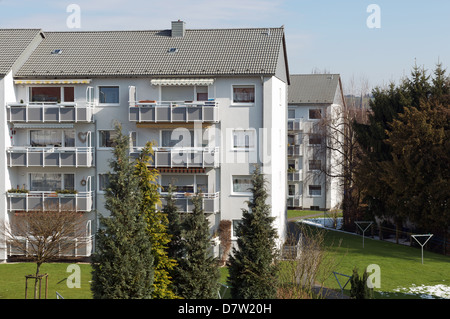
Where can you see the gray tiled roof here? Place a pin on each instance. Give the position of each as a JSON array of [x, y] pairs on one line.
[[128, 53], [313, 88], [13, 42]]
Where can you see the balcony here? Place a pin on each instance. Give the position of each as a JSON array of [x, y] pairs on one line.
[[174, 112], [80, 202], [294, 125], [294, 176], [294, 201], [184, 203], [42, 112], [186, 157], [23, 156], [295, 150]]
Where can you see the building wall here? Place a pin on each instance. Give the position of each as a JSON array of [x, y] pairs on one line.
[[266, 117]]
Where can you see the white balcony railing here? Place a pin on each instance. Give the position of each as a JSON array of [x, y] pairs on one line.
[[173, 112], [294, 176], [294, 201], [295, 124], [42, 112], [50, 156], [81, 201], [204, 157], [184, 203], [295, 150]]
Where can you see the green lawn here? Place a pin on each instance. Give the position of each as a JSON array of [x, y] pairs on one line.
[[12, 281], [400, 267]]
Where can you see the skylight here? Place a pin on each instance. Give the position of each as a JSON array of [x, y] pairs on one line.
[[56, 51], [172, 50]]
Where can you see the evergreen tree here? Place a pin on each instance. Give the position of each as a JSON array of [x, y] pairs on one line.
[[175, 246], [122, 266], [198, 271], [404, 171], [359, 288], [252, 266], [157, 224]]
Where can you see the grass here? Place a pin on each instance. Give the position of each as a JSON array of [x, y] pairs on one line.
[[12, 281], [305, 213], [400, 266]]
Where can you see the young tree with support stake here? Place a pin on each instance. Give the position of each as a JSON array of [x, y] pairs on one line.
[[122, 267], [44, 235], [252, 266]]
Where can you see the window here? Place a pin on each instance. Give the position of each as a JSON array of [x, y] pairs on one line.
[[243, 94], [103, 182], [108, 94], [177, 138], [133, 140], [315, 114], [291, 190], [106, 138], [242, 184], [54, 138], [236, 223], [45, 182], [315, 139], [315, 165], [291, 114], [315, 190], [52, 94], [243, 139]]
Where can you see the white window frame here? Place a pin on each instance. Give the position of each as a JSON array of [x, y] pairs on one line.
[[99, 146], [233, 177], [107, 104], [62, 135], [233, 103], [100, 191], [61, 87], [234, 224], [314, 195], [315, 108], [252, 143], [314, 169], [62, 180]]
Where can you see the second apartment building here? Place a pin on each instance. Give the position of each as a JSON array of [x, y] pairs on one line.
[[213, 101]]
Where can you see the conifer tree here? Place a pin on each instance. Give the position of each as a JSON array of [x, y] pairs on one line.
[[122, 266], [252, 266], [198, 271], [175, 248], [157, 224]]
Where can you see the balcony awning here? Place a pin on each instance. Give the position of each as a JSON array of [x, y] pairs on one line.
[[42, 125], [61, 81], [181, 82]]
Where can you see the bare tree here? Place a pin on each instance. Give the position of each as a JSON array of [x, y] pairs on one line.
[[307, 265], [340, 150], [44, 235]]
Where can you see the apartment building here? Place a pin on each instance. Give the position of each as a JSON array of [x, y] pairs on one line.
[[315, 103], [214, 102]]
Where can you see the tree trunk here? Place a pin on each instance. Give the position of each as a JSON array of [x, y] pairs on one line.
[[38, 266]]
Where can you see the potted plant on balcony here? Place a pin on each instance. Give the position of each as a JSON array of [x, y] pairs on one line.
[[18, 190], [20, 104], [63, 192]]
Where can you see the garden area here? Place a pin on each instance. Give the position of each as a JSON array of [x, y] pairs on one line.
[[402, 274]]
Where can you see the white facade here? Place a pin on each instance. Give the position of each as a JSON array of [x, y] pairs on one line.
[[205, 140], [312, 166]]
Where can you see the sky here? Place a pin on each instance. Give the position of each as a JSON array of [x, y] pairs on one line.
[[370, 43]]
